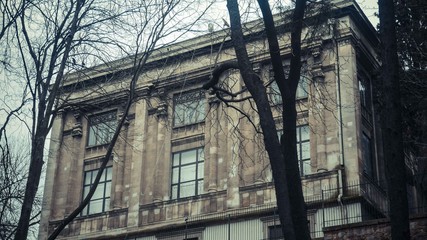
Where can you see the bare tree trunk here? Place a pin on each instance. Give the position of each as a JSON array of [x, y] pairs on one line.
[[283, 159], [392, 124], [43, 113], [288, 88]]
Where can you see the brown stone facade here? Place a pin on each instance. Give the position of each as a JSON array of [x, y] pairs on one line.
[[375, 230], [140, 198]]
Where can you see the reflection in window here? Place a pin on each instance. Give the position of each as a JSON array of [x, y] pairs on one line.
[[189, 108], [187, 173], [100, 201], [101, 128]]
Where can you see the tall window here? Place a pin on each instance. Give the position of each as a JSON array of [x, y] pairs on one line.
[[365, 97], [365, 93], [189, 108], [302, 90], [187, 173], [101, 128], [100, 201], [368, 163], [303, 149]]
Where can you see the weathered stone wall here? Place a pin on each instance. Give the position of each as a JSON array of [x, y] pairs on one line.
[[375, 230]]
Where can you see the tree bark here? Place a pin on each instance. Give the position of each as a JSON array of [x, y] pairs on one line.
[[288, 88], [283, 158], [391, 120]]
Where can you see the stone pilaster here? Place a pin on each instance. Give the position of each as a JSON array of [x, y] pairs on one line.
[[53, 157], [139, 146], [160, 171], [213, 148]]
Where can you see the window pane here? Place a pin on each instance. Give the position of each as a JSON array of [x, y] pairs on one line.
[[201, 154], [178, 115], [175, 175], [302, 88], [201, 170], [367, 155], [95, 206], [189, 108], [188, 157], [306, 167], [174, 192], [99, 192], [88, 179], [109, 171], [175, 159], [107, 204], [84, 212], [108, 189], [101, 128], [200, 112], [86, 191], [200, 187], [305, 150], [104, 173], [187, 189], [305, 133], [188, 173], [275, 93], [92, 136]]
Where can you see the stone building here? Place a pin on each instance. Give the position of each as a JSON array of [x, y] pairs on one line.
[[186, 166]]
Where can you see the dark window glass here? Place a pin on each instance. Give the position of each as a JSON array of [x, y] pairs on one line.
[[187, 173], [368, 164], [101, 128], [189, 108], [302, 89]]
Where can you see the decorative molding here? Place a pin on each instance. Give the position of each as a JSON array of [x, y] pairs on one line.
[[213, 100], [317, 73], [162, 110], [77, 130]]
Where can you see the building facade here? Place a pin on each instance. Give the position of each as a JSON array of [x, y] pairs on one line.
[[186, 166]]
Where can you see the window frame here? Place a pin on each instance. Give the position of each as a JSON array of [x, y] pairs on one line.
[[198, 178], [299, 144], [180, 100], [106, 184], [301, 92], [368, 157], [100, 125]]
